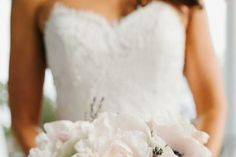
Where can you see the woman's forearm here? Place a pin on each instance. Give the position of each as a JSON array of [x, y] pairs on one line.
[[26, 136], [26, 71], [213, 122]]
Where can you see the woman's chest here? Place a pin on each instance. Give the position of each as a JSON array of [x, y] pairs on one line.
[[150, 40]]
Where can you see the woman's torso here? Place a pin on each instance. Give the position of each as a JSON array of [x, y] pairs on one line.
[[133, 65]]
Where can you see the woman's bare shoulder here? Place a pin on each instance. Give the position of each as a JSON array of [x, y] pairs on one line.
[[31, 11], [26, 7]]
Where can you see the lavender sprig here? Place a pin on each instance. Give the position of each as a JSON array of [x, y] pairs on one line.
[[96, 107]]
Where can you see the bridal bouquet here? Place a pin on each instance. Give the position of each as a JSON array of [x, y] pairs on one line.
[[120, 135]]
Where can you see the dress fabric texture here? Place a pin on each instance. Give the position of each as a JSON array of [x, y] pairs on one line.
[[134, 65]]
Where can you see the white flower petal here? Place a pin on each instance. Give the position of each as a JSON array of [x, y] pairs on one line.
[[67, 149], [35, 152], [59, 130], [118, 149]]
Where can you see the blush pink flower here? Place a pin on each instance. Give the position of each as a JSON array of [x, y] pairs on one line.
[[184, 138]]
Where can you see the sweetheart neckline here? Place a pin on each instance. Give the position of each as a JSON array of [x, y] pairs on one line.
[[111, 23]]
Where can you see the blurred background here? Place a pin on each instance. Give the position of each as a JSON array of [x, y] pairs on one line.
[[222, 20]]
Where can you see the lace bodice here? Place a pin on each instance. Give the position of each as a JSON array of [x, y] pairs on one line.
[[134, 65]]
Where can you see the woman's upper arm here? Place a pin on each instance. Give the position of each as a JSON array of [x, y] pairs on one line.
[[27, 63], [201, 67]]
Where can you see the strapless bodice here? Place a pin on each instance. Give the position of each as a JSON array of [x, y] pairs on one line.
[[133, 65]]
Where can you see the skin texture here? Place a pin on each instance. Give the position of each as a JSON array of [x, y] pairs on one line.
[[28, 64], [205, 79]]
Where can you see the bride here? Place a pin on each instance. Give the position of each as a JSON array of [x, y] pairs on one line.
[[128, 56]]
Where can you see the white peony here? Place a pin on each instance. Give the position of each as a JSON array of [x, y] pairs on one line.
[[183, 137], [119, 134], [60, 138]]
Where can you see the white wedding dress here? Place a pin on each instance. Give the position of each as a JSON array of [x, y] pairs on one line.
[[134, 65]]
